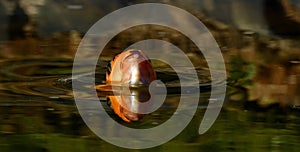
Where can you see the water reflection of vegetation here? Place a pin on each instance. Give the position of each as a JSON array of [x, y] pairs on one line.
[[241, 73], [234, 130]]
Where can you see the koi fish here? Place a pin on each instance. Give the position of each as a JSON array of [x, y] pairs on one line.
[[131, 67]]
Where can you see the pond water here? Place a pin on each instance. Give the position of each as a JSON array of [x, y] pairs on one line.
[[38, 113]]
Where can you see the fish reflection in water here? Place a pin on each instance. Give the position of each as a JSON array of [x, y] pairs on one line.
[[124, 104], [129, 68]]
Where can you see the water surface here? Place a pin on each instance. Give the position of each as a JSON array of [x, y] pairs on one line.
[[38, 113]]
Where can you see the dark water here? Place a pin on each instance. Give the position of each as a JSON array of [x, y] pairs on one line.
[[38, 113]]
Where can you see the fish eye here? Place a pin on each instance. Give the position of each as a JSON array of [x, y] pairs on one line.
[[108, 102], [108, 68]]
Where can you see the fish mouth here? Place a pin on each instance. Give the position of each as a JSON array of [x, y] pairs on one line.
[[132, 116]]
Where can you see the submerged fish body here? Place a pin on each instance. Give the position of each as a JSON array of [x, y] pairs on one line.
[[131, 67]]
